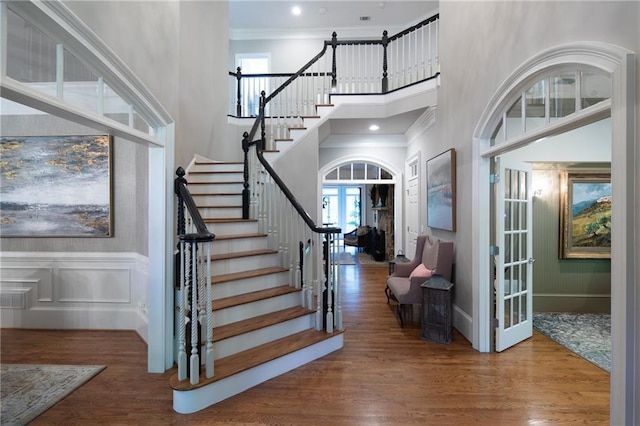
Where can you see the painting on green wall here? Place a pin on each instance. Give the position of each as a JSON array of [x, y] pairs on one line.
[[55, 186], [585, 216]]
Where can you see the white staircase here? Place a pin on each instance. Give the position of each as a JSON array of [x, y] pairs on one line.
[[260, 329]]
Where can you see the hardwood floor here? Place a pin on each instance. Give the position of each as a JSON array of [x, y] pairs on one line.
[[383, 375]]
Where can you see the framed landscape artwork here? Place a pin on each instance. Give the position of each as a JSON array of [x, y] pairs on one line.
[[441, 191], [585, 215], [55, 186]]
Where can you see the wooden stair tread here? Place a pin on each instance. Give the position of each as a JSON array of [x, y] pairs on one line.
[[227, 220], [226, 206], [253, 296], [283, 140], [237, 363], [296, 128], [310, 116], [256, 323], [216, 183], [238, 236], [218, 162], [240, 254], [234, 276]]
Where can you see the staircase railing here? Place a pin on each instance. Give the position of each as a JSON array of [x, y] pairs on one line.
[[193, 265], [354, 66], [373, 66]]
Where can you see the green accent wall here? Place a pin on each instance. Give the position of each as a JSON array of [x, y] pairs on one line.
[[563, 285]]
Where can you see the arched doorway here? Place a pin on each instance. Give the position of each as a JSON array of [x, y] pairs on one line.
[[373, 178], [618, 63]]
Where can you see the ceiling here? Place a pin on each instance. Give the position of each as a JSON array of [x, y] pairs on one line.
[[274, 18]]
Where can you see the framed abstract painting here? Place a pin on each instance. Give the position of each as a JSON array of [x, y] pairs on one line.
[[55, 186], [441, 191]]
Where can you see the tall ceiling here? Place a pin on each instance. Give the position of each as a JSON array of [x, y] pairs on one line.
[[275, 19]]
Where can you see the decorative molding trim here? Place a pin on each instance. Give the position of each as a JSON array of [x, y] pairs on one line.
[[424, 122], [74, 290]]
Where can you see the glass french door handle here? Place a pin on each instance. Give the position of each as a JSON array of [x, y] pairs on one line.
[[531, 260]]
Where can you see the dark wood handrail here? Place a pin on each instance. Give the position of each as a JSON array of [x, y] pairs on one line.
[[415, 27], [249, 138], [182, 191], [299, 73]]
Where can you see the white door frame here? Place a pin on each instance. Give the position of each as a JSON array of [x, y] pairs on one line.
[[396, 180], [625, 167]]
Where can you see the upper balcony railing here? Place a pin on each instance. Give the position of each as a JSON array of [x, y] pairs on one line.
[[373, 66]]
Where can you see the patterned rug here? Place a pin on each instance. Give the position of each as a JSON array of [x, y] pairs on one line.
[[365, 259], [29, 390], [588, 335], [345, 258]]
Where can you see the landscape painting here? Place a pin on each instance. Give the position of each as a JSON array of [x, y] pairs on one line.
[[441, 191], [586, 215], [55, 186]]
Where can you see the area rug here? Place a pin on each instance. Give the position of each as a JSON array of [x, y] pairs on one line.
[[588, 335], [345, 258], [29, 390], [365, 259]]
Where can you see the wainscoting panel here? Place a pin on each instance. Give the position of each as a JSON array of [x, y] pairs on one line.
[[91, 285], [74, 291]]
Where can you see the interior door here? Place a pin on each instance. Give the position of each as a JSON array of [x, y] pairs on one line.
[[413, 208], [514, 258]]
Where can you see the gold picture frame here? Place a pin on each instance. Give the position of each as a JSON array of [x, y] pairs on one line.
[[585, 215]]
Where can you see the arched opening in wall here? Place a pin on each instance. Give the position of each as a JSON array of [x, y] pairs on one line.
[[614, 62], [359, 197], [534, 212]]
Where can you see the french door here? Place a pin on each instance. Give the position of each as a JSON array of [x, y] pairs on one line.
[[514, 254]]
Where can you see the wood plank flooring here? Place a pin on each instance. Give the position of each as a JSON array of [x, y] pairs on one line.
[[384, 375]]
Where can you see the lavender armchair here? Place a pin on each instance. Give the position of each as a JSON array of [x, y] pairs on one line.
[[404, 285]]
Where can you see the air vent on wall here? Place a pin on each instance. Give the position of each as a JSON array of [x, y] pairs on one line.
[[365, 18]]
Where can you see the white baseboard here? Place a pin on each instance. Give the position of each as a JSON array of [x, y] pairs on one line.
[[54, 290], [463, 323]]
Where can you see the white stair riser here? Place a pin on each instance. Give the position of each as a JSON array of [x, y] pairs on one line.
[[311, 122], [219, 188], [218, 167], [246, 263], [218, 177], [186, 402], [259, 307], [255, 338], [247, 285], [218, 199], [221, 212], [238, 244], [233, 228]]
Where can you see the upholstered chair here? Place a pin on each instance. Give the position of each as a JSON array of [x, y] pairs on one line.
[[431, 258]]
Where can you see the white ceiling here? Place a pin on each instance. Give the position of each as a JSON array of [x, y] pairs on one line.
[[273, 19]]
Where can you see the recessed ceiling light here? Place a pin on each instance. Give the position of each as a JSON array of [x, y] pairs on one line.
[[374, 127], [322, 10], [296, 10]]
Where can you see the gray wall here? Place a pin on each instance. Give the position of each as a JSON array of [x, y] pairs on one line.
[[563, 285], [129, 191], [474, 63], [287, 55], [178, 50]]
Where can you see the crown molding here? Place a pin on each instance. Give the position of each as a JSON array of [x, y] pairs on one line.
[[426, 120]]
